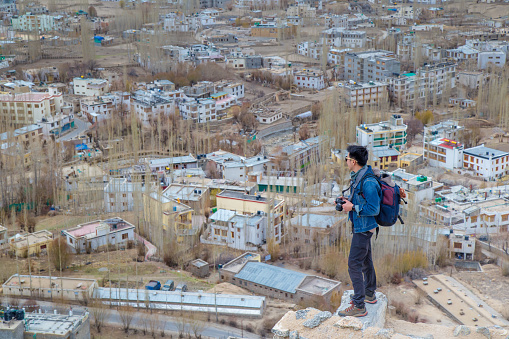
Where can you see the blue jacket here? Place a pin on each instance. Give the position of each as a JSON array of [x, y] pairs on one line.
[[367, 205]]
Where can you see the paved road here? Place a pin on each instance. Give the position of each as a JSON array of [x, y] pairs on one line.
[[81, 128], [171, 324]]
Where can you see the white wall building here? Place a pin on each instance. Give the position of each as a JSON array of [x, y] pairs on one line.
[[495, 58], [38, 23], [385, 133], [90, 87], [148, 105], [486, 162], [364, 94], [120, 194], [444, 153], [309, 79], [239, 170], [198, 110], [96, 234]]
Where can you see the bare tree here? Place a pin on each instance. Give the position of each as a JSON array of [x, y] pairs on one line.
[[197, 325], [99, 315], [154, 324], [126, 317], [59, 254]]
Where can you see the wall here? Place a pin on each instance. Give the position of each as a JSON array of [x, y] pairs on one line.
[[14, 332]]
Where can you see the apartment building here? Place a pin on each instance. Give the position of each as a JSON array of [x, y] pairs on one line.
[[336, 21], [371, 66], [364, 94], [315, 229], [442, 152], [428, 83], [236, 230], [102, 107], [385, 157], [385, 133], [16, 146], [486, 162], [90, 87], [96, 235], [247, 204], [491, 58], [28, 108], [195, 196], [147, 105], [340, 37], [34, 22], [198, 110], [449, 130], [301, 10], [120, 195], [273, 30], [295, 158], [239, 170], [310, 79], [8, 6]]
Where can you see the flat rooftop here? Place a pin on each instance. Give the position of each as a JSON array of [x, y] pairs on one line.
[[52, 324], [485, 152], [115, 224], [45, 282], [32, 238], [236, 264], [318, 285], [315, 220]]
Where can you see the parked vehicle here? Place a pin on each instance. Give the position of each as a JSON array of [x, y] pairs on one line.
[[169, 285], [181, 288], [153, 285]]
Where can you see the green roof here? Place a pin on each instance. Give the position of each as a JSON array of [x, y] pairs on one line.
[[408, 74]]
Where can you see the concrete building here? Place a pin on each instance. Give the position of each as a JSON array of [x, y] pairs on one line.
[[364, 93], [239, 170], [491, 58], [297, 157], [385, 133], [301, 10], [309, 79], [198, 110], [385, 157], [273, 30], [371, 66], [29, 108], [120, 195], [248, 272], [463, 246], [56, 125], [34, 22], [471, 80], [336, 21], [102, 107], [173, 163], [444, 153], [31, 243], [90, 87], [486, 162], [94, 235], [147, 105], [3, 236], [73, 289], [236, 230], [248, 204], [339, 37], [315, 229], [199, 268], [195, 196], [267, 115]]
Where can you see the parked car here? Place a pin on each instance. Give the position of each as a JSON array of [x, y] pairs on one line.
[[153, 285], [181, 288], [169, 285]]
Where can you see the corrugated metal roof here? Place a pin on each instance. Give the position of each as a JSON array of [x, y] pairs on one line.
[[271, 276]]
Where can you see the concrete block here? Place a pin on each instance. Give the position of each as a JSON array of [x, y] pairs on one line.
[[461, 330], [384, 333], [13, 329], [484, 331], [376, 312], [350, 322]]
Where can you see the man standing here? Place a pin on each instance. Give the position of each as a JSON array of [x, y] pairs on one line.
[[362, 207]]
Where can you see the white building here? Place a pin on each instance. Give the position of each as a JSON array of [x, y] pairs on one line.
[[336, 21], [442, 152], [57, 124], [239, 170], [90, 87], [494, 58], [385, 133], [120, 194], [38, 23], [235, 89], [364, 93], [268, 116], [339, 37], [94, 235], [147, 105], [198, 110], [101, 107], [244, 232], [309, 79], [486, 162]]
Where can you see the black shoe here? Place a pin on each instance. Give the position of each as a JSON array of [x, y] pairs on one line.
[[353, 311], [367, 299]]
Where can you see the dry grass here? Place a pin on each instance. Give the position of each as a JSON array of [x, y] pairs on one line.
[[505, 268]]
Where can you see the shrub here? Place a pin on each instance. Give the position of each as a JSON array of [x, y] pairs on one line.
[[505, 268], [232, 322], [396, 278], [59, 254]]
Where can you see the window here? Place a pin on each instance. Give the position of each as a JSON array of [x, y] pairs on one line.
[[233, 234], [457, 245], [216, 231], [124, 236], [70, 240]]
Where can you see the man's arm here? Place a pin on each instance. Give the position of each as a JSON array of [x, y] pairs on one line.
[[372, 192]]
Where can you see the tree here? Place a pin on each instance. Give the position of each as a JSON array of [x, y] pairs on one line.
[[59, 254], [92, 12], [425, 116], [415, 127], [303, 132], [99, 315], [126, 315], [121, 3]]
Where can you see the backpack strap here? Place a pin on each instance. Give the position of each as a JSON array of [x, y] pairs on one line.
[[369, 175]]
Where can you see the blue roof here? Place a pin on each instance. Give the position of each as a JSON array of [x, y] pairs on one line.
[[485, 152], [81, 147], [271, 276]]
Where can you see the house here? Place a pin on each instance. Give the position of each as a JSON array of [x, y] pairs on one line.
[[268, 116], [486, 162], [385, 157], [371, 66], [247, 204], [463, 246], [236, 230], [239, 170], [297, 157], [309, 79], [72, 289], [340, 37], [121, 195], [173, 163], [90, 87], [95, 235], [445, 153], [199, 268], [364, 94], [408, 159], [195, 196], [315, 229], [147, 105], [385, 133], [198, 110], [248, 272], [31, 243]]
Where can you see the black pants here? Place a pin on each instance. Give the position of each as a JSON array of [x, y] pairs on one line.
[[360, 267]]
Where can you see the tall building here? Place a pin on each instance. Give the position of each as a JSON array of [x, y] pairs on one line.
[[371, 66], [385, 133]]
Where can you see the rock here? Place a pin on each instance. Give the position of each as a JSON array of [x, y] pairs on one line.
[[301, 314], [317, 319], [103, 269], [428, 336], [484, 331], [461, 330], [350, 322], [384, 333], [376, 312], [294, 335]]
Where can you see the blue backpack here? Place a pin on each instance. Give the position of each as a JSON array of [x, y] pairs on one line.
[[389, 202]]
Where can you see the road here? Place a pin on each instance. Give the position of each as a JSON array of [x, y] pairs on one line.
[[81, 128], [171, 324]]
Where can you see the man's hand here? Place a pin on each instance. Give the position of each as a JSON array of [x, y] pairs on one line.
[[347, 206], [402, 193]]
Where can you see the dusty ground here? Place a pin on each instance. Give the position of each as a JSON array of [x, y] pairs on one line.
[[490, 285]]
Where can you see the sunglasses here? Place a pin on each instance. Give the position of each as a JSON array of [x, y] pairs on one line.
[[347, 158]]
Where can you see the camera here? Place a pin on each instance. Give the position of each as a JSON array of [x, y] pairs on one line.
[[339, 204]]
